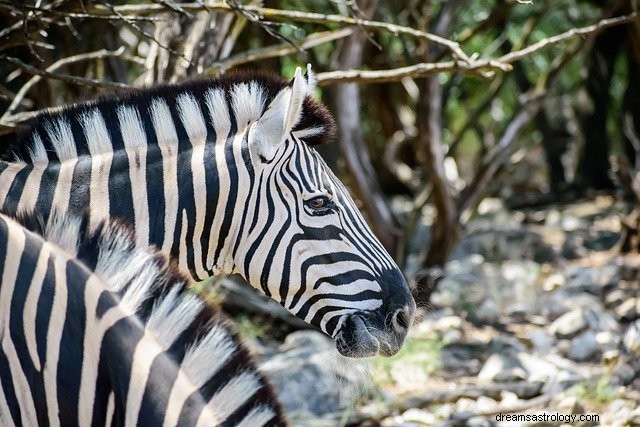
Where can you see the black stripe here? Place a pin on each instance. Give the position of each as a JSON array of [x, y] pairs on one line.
[[229, 209], [26, 268], [80, 186], [71, 344], [47, 191], [15, 190], [186, 198], [6, 381], [360, 296], [155, 184]]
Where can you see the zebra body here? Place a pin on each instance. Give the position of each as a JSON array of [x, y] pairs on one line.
[[97, 331], [222, 175]]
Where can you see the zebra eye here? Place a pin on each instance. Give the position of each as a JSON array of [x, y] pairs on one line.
[[320, 204]]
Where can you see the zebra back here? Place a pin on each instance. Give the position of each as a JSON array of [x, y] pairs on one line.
[[96, 330]]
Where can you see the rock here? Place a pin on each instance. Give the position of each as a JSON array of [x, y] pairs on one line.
[[541, 340], [633, 418], [584, 346], [615, 298], [629, 309], [419, 416], [312, 378], [570, 404], [569, 324], [538, 369], [461, 359], [631, 338], [502, 368], [608, 341]]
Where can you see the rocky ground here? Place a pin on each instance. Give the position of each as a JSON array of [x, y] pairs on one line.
[[536, 314]]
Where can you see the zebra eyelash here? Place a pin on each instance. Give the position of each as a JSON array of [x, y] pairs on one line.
[[319, 205]]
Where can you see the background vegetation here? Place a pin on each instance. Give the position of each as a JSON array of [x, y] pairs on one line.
[[444, 107], [451, 101]]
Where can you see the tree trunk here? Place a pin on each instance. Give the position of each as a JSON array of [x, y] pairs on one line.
[[346, 98]]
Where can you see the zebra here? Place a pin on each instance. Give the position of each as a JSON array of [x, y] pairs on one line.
[[222, 174], [96, 330]]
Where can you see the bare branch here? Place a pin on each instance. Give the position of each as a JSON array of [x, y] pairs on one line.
[[283, 15], [49, 72], [281, 49], [574, 32], [422, 69]]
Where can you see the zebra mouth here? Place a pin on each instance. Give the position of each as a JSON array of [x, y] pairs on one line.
[[359, 338]]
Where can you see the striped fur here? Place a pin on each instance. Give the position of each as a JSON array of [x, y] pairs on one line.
[[222, 175], [97, 331]]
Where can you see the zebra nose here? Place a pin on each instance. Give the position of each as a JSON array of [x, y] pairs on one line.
[[401, 320]]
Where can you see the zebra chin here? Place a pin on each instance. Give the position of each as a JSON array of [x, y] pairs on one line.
[[362, 335]]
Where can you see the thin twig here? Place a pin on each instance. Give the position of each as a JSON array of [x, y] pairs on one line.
[[49, 72], [285, 15], [584, 31], [422, 69], [281, 49], [480, 67]]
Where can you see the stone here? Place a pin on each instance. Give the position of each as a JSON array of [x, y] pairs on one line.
[[541, 341], [608, 341], [631, 338], [584, 346], [569, 324], [571, 405], [502, 368], [628, 310], [311, 377], [419, 416], [538, 369]]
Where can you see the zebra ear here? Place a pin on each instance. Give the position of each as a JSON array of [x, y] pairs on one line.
[[279, 119]]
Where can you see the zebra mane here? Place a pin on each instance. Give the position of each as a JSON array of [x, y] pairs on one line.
[[59, 135], [196, 335]]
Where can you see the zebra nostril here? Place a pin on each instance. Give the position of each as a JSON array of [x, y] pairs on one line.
[[401, 320]]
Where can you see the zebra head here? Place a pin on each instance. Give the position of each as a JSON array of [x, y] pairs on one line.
[[303, 240]]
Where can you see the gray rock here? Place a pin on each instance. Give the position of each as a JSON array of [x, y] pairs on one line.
[[312, 378], [584, 346], [629, 309], [537, 368], [502, 368], [541, 341], [569, 324]]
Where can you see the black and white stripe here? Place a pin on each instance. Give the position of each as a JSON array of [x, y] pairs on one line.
[[97, 331], [222, 175]]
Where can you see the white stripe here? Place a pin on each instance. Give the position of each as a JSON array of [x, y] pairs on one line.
[[16, 241], [144, 354], [229, 398], [63, 187], [193, 122], [31, 304], [258, 416], [219, 115], [91, 351], [6, 179], [59, 131], [100, 148], [168, 143], [110, 410], [135, 142], [31, 189], [182, 255], [197, 368], [5, 412], [54, 338]]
